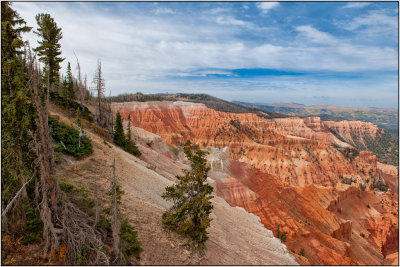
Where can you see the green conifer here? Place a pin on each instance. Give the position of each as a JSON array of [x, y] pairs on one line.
[[130, 145], [49, 49], [17, 114], [69, 84], [119, 137], [128, 130], [190, 213]]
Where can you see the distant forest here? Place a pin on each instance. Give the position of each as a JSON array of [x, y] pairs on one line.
[[209, 101]]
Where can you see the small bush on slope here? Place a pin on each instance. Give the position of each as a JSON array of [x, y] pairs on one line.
[[67, 139], [71, 104], [130, 244]]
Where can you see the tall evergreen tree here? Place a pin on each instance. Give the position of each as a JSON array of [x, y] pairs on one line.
[[119, 137], [17, 115], [128, 130], [49, 49], [190, 213], [130, 145], [69, 84]]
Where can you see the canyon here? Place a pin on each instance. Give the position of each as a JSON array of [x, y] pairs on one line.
[[302, 175]]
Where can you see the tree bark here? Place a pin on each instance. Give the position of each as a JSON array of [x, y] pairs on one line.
[[116, 223]]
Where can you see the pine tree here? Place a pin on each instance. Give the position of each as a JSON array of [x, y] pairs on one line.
[[130, 145], [69, 84], [17, 115], [191, 196], [49, 49], [119, 137], [128, 130]]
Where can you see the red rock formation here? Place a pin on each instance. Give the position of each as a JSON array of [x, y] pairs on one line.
[[288, 172], [327, 222], [297, 150], [390, 175], [301, 212], [347, 130], [368, 156]]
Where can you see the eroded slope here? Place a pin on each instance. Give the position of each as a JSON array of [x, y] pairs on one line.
[[290, 172], [144, 181]]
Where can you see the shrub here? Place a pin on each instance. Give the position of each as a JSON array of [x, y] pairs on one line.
[[67, 139], [129, 242], [105, 223], [368, 206], [302, 252], [71, 104], [67, 187], [380, 185], [362, 235], [281, 236], [58, 158], [363, 187], [34, 226], [131, 147]]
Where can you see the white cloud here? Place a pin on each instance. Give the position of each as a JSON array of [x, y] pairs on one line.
[[356, 5], [266, 6], [163, 10], [217, 10], [140, 52], [315, 35], [373, 19], [374, 26], [228, 20]]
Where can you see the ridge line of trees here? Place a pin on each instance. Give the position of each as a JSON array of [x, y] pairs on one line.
[[32, 199]]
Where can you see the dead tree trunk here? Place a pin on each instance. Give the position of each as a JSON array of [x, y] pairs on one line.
[[42, 147], [96, 198], [87, 95], [99, 82], [116, 223], [21, 177], [80, 86], [20, 192]]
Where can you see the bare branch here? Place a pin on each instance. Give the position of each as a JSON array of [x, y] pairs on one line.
[[15, 197]]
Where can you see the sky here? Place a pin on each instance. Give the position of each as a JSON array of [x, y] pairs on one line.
[[314, 53]]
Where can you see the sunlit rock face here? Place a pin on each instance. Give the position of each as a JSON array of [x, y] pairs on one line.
[[299, 151], [291, 172]]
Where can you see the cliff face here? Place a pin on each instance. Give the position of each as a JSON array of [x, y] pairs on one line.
[[335, 225], [353, 132], [289, 172], [299, 151]]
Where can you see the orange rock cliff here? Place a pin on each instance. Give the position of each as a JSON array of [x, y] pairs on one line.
[[292, 172]]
